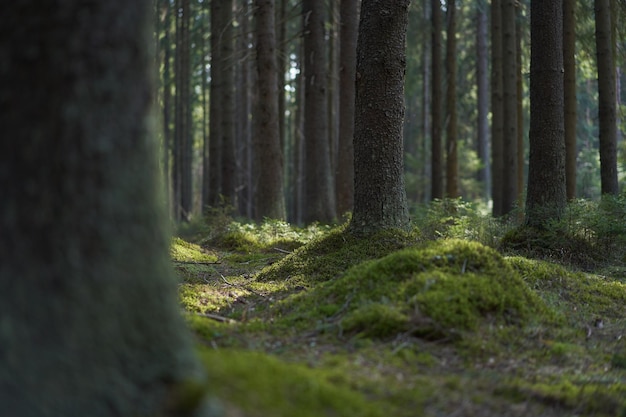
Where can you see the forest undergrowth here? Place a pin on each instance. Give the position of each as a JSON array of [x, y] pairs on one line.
[[464, 316]]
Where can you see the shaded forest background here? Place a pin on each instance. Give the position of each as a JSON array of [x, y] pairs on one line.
[[215, 139]]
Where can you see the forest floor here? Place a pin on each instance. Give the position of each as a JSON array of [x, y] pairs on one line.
[[399, 325]]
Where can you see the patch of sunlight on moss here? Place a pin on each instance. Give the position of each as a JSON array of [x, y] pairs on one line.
[[329, 256], [592, 294], [201, 298], [590, 398], [263, 385], [181, 250], [437, 290]]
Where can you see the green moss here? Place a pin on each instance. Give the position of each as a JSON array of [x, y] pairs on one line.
[[329, 256], [591, 295], [181, 250], [590, 398], [438, 289], [376, 320], [263, 385]]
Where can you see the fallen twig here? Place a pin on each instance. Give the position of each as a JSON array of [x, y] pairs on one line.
[[283, 251], [216, 317], [195, 263], [240, 286]]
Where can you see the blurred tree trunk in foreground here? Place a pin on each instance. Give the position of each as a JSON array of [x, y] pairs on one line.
[[90, 322]]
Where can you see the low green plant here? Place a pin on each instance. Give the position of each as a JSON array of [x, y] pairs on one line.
[[460, 219], [588, 234]]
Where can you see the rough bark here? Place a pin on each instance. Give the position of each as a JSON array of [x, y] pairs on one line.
[[243, 128], [482, 80], [349, 19], [519, 109], [227, 104], [497, 114], [436, 175], [509, 102], [379, 194], [90, 323], [269, 199], [215, 137], [546, 194], [319, 202], [452, 163], [606, 97], [167, 94], [569, 94]]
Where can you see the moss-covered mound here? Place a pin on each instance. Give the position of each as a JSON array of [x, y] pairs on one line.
[[330, 256], [262, 385], [438, 290], [588, 294]]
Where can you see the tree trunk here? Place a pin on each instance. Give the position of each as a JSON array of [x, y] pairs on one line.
[[204, 92], [509, 90], [215, 109], [452, 164], [569, 94], [281, 65], [167, 96], [606, 97], [90, 318], [269, 198], [426, 106], [546, 195], [436, 175], [243, 128], [497, 114], [319, 202], [333, 88], [379, 194], [227, 104], [519, 109], [482, 80], [349, 19]]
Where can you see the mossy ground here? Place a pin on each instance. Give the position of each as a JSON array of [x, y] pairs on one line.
[[399, 326]]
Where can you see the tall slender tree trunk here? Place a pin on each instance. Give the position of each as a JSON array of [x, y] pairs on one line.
[[167, 98], [281, 65], [90, 320], [349, 23], [298, 149], [546, 195], [379, 194], [319, 203], [215, 109], [243, 128], [177, 155], [497, 114], [269, 197], [569, 94], [509, 90], [436, 175], [186, 198], [607, 99], [227, 104], [426, 105], [182, 129], [333, 87], [204, 86], [452, 164], [482, 80], [519, 97]]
